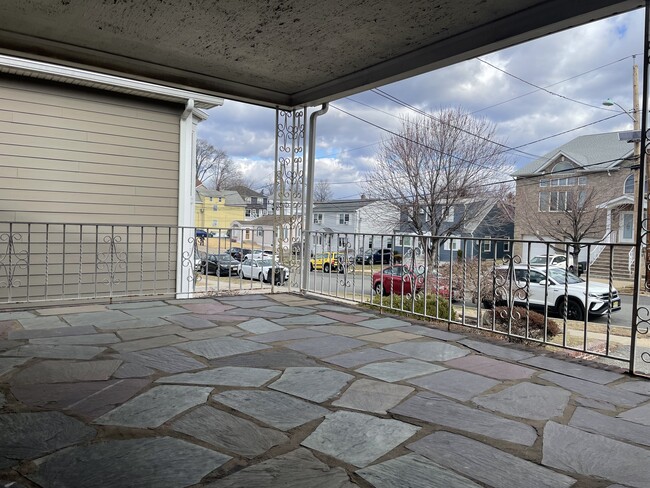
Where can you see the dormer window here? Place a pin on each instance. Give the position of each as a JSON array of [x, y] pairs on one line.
[[562, 166]]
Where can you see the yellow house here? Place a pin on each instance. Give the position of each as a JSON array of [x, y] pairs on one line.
[[217, 209]]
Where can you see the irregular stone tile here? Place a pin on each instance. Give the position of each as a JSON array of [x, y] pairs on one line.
[[6, 345], [321, 347], [357, 438], [260, 326], [8, 364], [596, 456], [87, 399], [287, 335], [315, 384], [30, 435], [412, 471], [161, 462], [493, 368], [152, 312], [72, 310], [7, 326], [588, 402], [299, 469], [221, 347], [90, 339], [3, 400], [149, 343], [225, 431], [641, 387], [270, 358], [427, 350], [372, 396], [288, 310], [455, 384], [167, 359], [133, 324], [399, 370], [16, 315], [220, 331], [66, 372], [251, 312], [48, 322], [156, 406], [58, 332], [595, 392], [383, 323], [616, 428], [145, 332], [133, 370], [568, 368], [305, 320], [138, 304], [639, 415], [362, 356], [501, 352], [55, 351], [486, 463], [343, 317], [249, 304], [293, 301], [344, 330], [192, 322], [92, 318], [527, 400], [337, 308], [389, 337], [207, 308], [432, 332], [276, 409], [245, 298], [226, 376], [438, 410]]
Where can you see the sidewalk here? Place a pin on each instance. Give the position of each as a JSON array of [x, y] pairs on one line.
[[281, 391]]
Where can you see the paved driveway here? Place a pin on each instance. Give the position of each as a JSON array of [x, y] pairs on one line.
[[283, 391]]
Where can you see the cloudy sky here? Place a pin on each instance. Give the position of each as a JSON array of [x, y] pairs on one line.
[[540, 95]]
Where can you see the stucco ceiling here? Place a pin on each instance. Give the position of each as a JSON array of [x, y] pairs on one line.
[[280, 53]]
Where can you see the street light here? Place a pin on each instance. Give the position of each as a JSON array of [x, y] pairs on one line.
[[610, 103]]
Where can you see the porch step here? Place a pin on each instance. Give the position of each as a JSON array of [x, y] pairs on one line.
[[619, 264]]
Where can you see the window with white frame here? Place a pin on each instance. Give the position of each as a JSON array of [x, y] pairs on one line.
[[487, 244], [343, 242], [506, 245], [260, 232], [553, 201], [247, 234], [344, 219], [452, 244], [318, 239], [248, 212], [450, 215], [318, 218], [628, 187]]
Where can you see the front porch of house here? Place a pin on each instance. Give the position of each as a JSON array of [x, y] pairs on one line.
[[276, 390]]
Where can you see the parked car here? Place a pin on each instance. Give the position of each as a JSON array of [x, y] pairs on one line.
[[220, 264], [238, 253], [326, 261], [201, 233], [259, 255], [198, 260], [378, 256], [398, 280], [262, 269], [595, 301], [556, 260]]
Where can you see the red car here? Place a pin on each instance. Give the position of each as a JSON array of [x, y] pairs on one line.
[[400, 280]]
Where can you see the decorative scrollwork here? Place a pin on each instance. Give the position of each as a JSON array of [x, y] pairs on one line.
[[111, 261], [12, 260]]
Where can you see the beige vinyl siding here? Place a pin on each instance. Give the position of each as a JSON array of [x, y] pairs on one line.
[[83, 156]]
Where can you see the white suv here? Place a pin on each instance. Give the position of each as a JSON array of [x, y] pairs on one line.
[[595, 302]]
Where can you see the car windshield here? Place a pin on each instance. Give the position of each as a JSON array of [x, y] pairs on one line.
[[559, 275], [222, 257], [266, 262], [539, 260]]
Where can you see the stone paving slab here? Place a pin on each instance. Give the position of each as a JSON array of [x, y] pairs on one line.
[[260, 326], [287, 310], [147, 332], [276, 409], [357, 438], [226, 376], [344, 330], [372, 396], [427, 350], [487, 464], [221, 347], [7, 326], [88, 340], [594, 391], [6, 345], [62, 351], [133, 370], [72, 310], [269, 358], [337, 308], [17, 315], [501, 352], [191, 321], [399, 370], [167, 359], [568, 368], [642, 387], [616, 428], [438, 410], [48, 322], [305, 320], [588, 402], [92, 318], [207, 308], [433, 333], [260, 303], [50, 371], [8, 364], [383, 323], [315, 384], [343, 317], [218, 331], [575, 451], [455, 384], [639, 415], [414, 472], [322, 347], [527, 400], [160, 462], [90, 399], [154, 312], [361, 356], [52, 332], [389, 337], [148, 343], [133, 324], [138, 305], [30, 435], [227, 432], [3, 400], [250, 312], [156, 406], [493, 368], [286, 335], [296, 469]]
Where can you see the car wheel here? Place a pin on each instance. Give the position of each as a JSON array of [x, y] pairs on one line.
[[311, 267], [379, 290], [574, 309], [260, 278], [326, 268], [572, 269]]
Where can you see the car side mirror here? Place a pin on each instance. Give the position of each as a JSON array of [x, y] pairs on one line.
[[543, 282]]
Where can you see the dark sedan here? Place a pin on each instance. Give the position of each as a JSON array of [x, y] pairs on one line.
[[220, 264], [377, 256]]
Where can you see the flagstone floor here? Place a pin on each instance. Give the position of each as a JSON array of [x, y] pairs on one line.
[[285, 391]]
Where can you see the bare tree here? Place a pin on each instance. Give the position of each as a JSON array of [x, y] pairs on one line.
[[434, 164], [323, 191], [214, 167]]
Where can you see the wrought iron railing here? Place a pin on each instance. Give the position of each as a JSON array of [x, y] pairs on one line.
[[487, 284]]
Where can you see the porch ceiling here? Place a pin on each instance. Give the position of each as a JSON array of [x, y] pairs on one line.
[[280, 53]]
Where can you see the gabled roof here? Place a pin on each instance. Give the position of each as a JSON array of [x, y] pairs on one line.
[[340, 206], [595, 152], [232, 198], [244, 191], [265, 220]]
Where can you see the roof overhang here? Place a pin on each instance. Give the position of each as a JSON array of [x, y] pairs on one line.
[[286, 54], [618, 201]]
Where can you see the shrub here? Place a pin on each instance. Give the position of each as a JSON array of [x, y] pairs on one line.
[[500, 316], [436, 306]]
